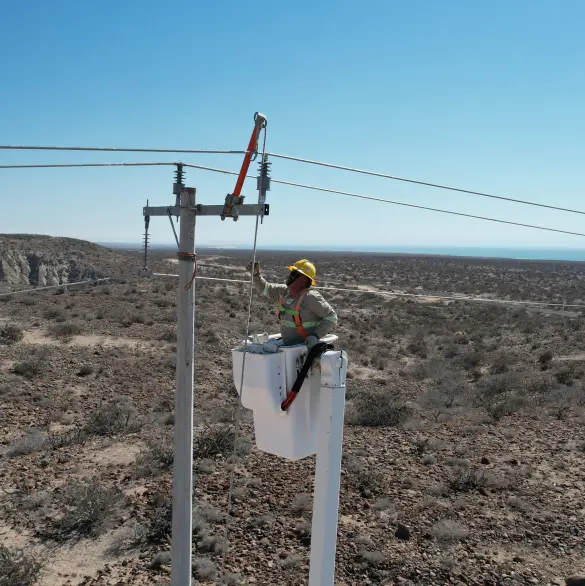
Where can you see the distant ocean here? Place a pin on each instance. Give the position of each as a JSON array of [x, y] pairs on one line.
[[568, 254]]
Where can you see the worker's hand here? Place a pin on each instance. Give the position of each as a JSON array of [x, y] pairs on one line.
[[256, 271], [311, 341]]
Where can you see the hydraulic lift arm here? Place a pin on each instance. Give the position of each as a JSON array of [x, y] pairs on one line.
[[235, 198]]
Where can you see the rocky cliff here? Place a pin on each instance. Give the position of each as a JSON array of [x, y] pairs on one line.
[[20, 268], [30, 260]]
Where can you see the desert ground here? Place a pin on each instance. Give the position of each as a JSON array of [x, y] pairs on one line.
[[464, 444]]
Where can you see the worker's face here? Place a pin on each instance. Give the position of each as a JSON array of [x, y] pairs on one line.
[[294, 275]]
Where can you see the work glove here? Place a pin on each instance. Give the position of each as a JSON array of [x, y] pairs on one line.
[[256, 271], [311, 341]]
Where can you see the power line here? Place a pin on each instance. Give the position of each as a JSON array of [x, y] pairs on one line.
[[72, 165], [439, 210], [35, 289], [121, 150], [288, 158], [68, 165], [425, 183], [397, 294], [341, 289], [86, 165], [346, 193], [216, 170], [204, 278]]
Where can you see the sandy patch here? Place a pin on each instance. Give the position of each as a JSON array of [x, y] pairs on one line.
[[579, 356], [12, 537], [7, 364], [71, 563], [38, 337], [119, 454]]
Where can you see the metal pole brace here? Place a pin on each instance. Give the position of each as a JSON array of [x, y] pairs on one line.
[[207, 210]]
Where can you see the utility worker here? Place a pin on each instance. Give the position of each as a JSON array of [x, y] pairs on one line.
[[304, 314]]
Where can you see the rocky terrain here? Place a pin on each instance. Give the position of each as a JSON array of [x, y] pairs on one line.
[[29, 260], [464, 446]]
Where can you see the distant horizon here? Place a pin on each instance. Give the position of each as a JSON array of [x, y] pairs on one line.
[[504, 252]]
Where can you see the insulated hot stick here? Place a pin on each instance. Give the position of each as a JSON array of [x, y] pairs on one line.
[[235, 197]]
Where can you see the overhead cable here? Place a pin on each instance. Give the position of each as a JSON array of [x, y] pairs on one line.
[[341, 289], [68, 165], [350, 194], [425, 183], [86, 165], [216, 170], [290, 158], [121, 150], [63, 286], [399, 294], [439, 210]]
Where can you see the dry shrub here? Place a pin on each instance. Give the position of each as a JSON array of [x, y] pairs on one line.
[[418, 346], [451, 351], [467, 478], [262, 521], [126, 319], [18, 568], [162, 558], [85, 370], [500, 384], [564, 375], [112, 419], [73, 437], [159, 526], [88, 509], [218, 440], [303, 532], [302, 504], [500, 364], [518, 504], [371, 482], [292, 562], [448, 532], [156, 457], [378, 409], [499, 407], [65, 331], [159, 518], [214, 544], [446, 394], [383, 504], [204, 569], [373, 558], [55, 313], [11, 334], [470, 359], [28, 444], [231, 580], [168, 335], [503, 394], [429, 460], [33, 366]]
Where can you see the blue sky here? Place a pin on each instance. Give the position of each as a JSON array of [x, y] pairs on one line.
[[482, 95]]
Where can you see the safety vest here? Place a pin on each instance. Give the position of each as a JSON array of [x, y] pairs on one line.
[[295, 313]]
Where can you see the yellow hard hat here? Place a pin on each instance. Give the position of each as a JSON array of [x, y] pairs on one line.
[[306, 268]]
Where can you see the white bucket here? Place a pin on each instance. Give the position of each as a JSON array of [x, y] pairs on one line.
[[268, 378]]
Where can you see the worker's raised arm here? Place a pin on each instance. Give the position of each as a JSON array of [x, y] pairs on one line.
[[271, 290], [328, 318]]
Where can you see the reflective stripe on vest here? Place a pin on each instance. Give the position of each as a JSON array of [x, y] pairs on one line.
[[296, 314]]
